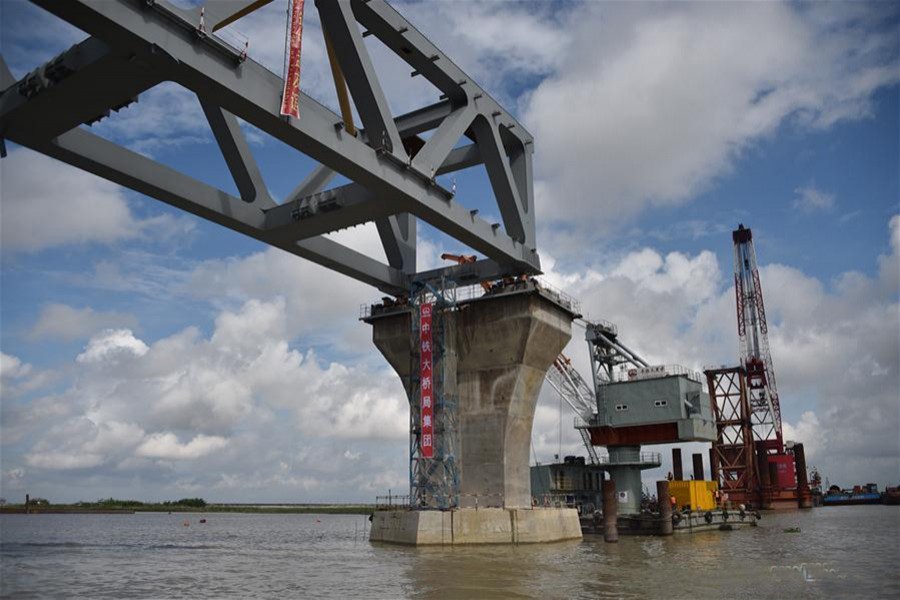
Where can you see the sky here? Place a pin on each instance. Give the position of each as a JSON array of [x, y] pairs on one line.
[[150, 354]]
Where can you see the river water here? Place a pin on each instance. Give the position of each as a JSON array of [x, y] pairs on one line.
[[840, 552]]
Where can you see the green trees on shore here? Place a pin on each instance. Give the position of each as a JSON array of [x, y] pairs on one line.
[[110, 503]]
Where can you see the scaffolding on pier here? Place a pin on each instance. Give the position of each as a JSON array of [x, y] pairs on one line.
[[434, 479]]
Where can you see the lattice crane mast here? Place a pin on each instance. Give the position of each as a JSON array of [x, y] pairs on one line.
[[572, 388], [753, 332]]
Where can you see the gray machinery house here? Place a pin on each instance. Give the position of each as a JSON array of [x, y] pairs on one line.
[[631, 404]]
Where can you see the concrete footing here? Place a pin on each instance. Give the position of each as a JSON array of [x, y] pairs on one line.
[[475, 526]]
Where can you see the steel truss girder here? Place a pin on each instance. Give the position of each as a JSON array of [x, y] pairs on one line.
[[136, 45]]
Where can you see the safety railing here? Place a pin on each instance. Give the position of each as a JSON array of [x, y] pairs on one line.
[[477, 501], [620, 458], [476, 291], [552, 501], [392, 502], [605, 325]]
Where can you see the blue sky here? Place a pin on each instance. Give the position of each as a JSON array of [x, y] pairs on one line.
[[147, 353]]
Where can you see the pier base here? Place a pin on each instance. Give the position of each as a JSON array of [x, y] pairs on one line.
[[471, 526]]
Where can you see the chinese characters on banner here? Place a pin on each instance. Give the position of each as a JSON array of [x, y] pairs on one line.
[[427, 382], [290, 97]]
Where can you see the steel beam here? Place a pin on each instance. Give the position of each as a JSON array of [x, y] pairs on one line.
[[398, 238], [323, 212], [78, 80], [95, 155], [314, 182], [340, 25], [237, 155], [148, 42]]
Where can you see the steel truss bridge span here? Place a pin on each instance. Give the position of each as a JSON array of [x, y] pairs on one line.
[[134, 45]]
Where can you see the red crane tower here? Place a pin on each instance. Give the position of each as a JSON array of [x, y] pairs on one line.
[[749, 454]]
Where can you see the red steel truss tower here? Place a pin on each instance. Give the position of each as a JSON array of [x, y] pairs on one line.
[[749, 455]]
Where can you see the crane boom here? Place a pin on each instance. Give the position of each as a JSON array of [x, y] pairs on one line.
[[753, 332]]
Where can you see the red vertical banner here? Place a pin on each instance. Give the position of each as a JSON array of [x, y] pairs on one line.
[[290, 97], [426, 381]]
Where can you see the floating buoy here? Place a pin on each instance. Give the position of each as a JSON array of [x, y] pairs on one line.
[[203, 520], [187, 523]]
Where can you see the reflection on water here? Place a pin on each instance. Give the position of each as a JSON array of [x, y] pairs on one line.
[[840, 551]]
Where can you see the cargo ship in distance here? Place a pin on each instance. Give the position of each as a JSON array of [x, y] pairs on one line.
[[860, 494]]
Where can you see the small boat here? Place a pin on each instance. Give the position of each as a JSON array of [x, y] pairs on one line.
[[891, 495], [203, 520]]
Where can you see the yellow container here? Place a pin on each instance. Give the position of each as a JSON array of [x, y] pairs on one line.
[[700, 495]]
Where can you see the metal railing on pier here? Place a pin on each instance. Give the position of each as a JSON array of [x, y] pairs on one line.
[[477, 291]]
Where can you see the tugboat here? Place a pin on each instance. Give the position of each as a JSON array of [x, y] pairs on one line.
[[867, 494], [891, 495]]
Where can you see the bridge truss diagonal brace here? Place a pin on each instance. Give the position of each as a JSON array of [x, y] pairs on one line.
[[237, 154], [398, 238], [169, 47], [340, 25]]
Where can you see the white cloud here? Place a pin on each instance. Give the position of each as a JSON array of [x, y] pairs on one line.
[[167, 446], [63, 461], [110, 345], [64, 322], [18, 378], [46, 203], [234, 403], [12, 368], [317, 303], [811, 199], [654, 103], [164, 117]]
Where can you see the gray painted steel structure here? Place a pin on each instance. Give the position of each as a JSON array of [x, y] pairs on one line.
[[134, 45]]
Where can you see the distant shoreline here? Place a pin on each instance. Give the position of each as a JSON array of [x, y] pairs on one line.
[[322, 509]]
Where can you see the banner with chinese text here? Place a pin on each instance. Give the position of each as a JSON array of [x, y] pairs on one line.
[[290, 97], [426, 381]]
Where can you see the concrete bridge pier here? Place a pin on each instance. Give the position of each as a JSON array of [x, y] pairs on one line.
[[504, 343]]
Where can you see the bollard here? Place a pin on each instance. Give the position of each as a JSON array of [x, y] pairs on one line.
[[610, 511], [677, 469], [803, 494], [698, 467], [665, 508]]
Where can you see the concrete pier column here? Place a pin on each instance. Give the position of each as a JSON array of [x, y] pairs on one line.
[[610, 511], [665, 507], [504, 343], [804, 496], [698, 467], [677, 467], [505, 346]]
